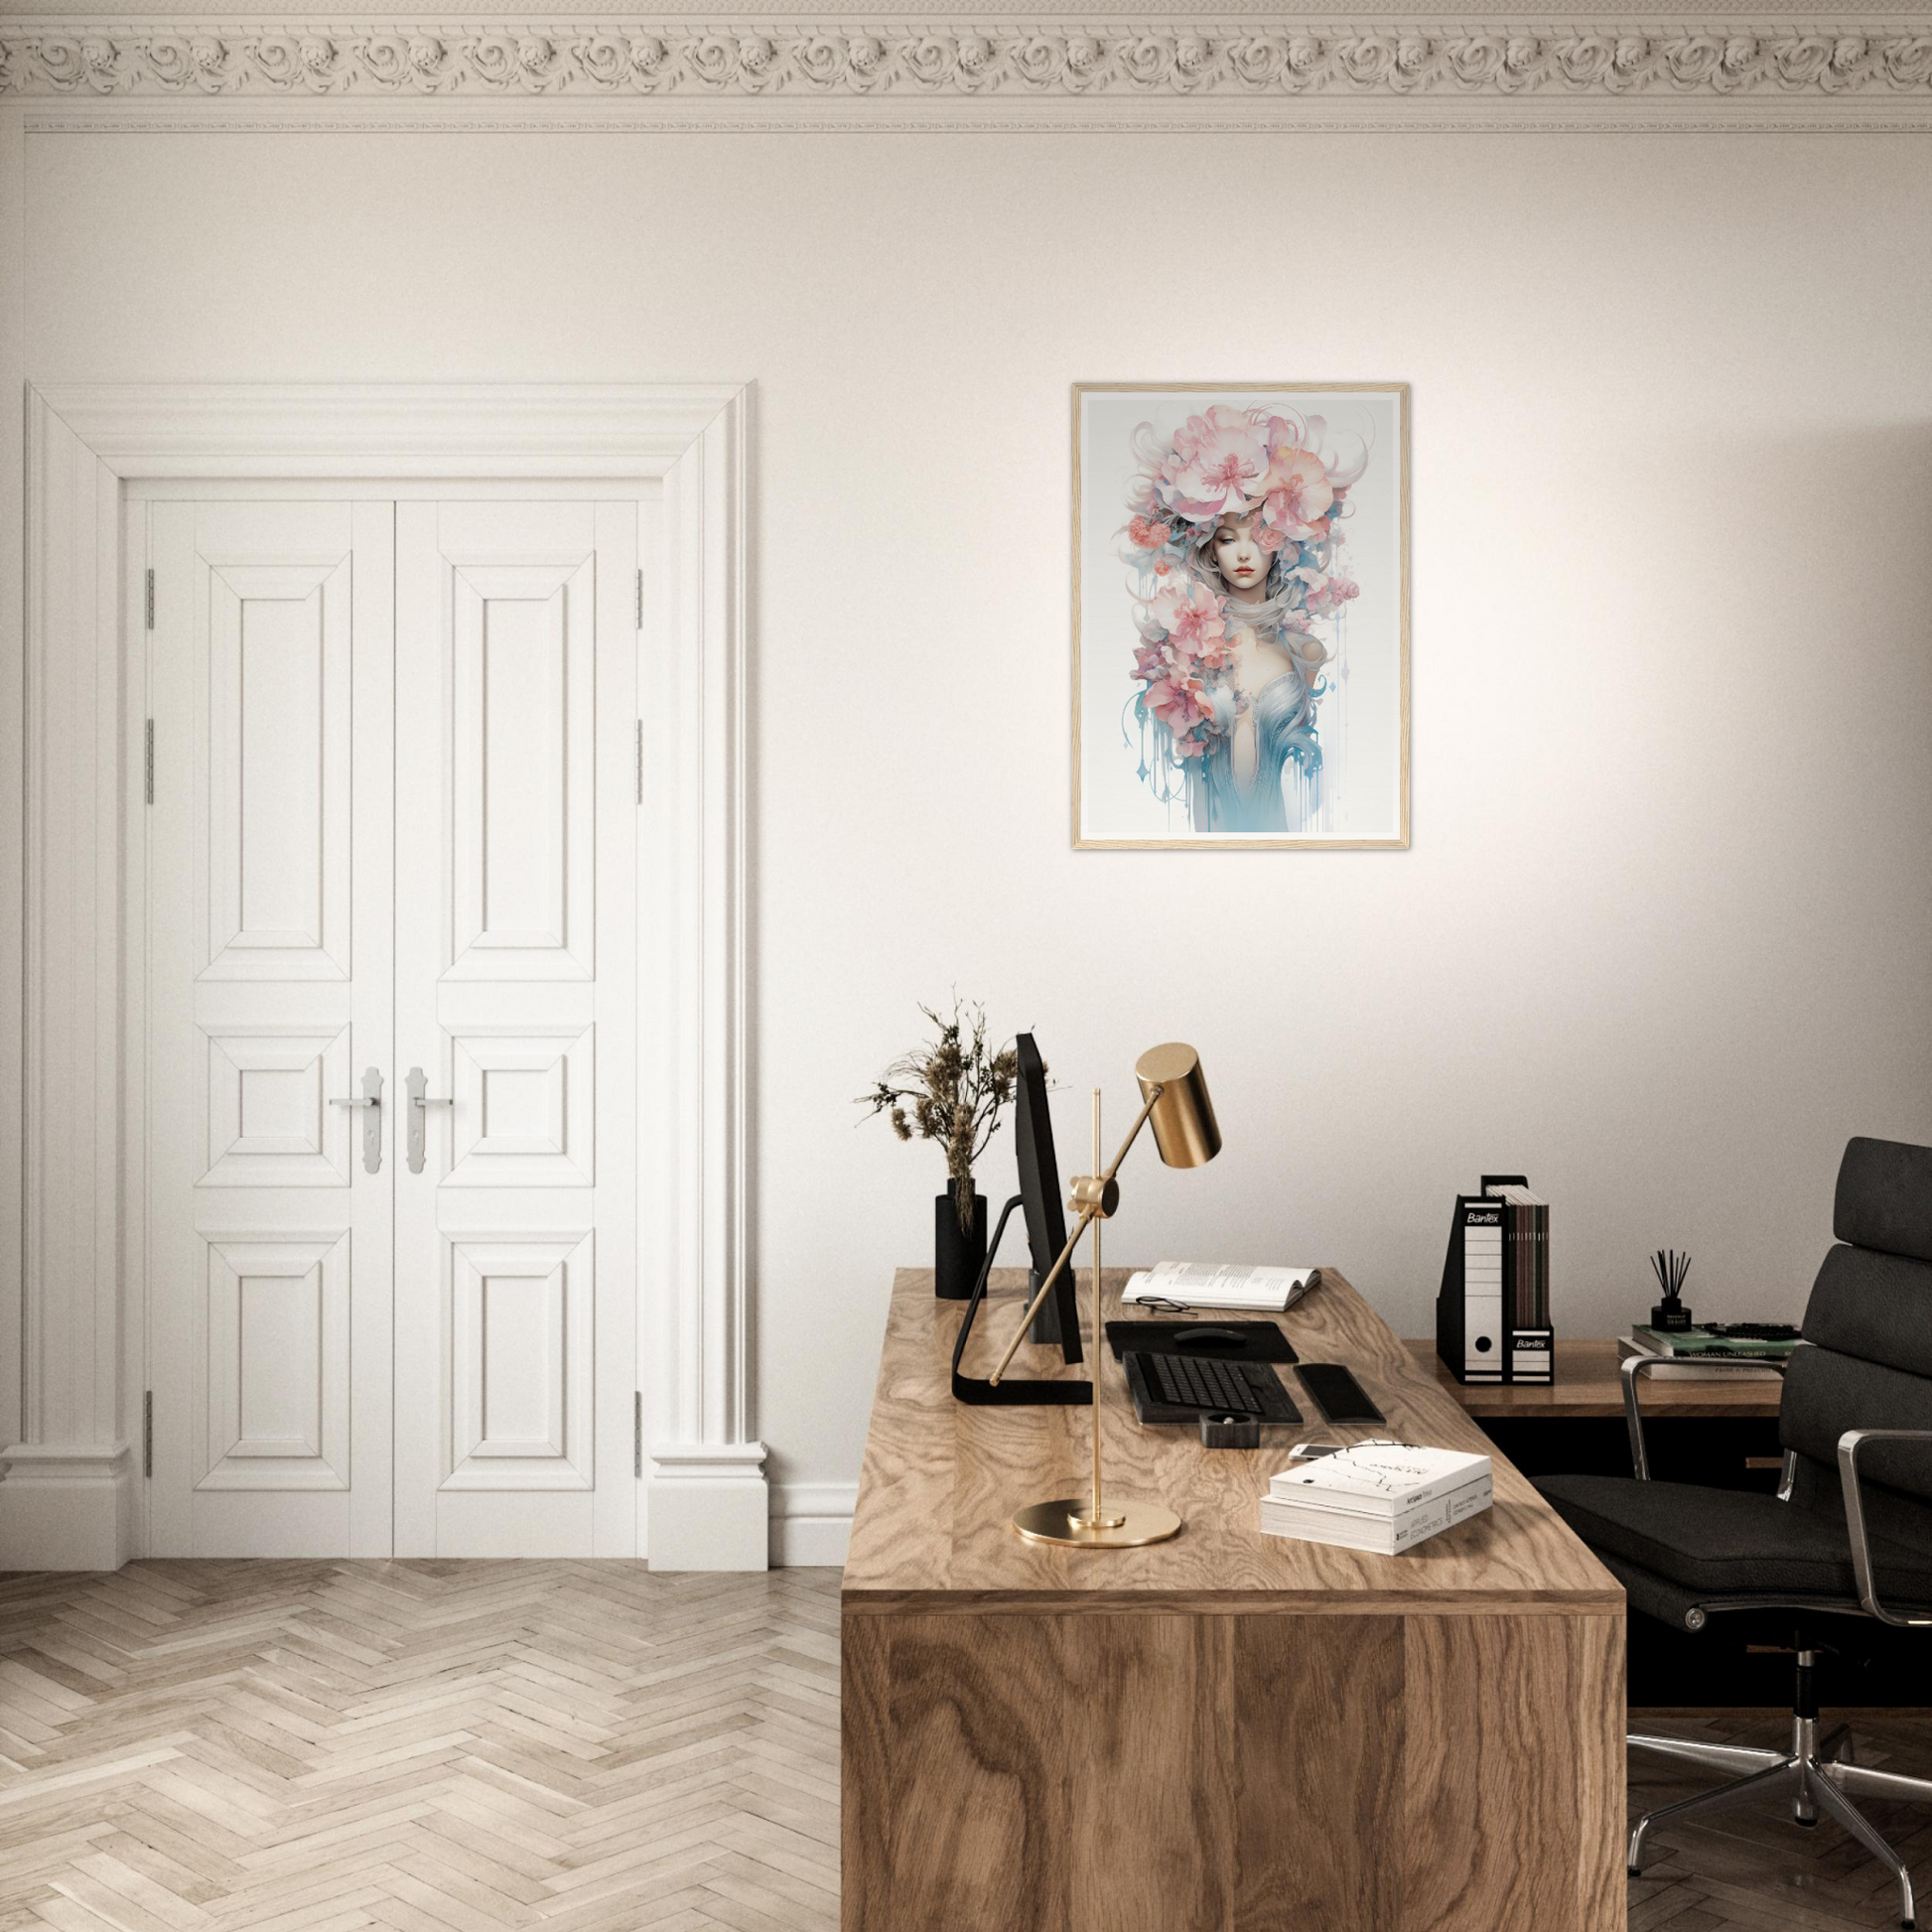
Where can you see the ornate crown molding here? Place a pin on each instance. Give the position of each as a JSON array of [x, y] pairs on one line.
[[1232, 63]]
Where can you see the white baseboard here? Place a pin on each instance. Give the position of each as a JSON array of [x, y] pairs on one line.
[[67, 1506], [811, 1523], [710, 1508]]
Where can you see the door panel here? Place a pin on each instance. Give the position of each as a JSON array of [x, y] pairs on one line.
[[278, 790], [515, 1242], [521, 1331], [525, 1107], [270, 993], [521, 770]]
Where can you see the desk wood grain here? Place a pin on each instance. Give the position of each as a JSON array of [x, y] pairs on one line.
[[1228, 1733], [942, 1481]]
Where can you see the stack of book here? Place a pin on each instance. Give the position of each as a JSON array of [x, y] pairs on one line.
[[1385, 1497], [1691, 1355]]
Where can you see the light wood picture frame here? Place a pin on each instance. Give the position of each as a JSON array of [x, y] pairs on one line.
[[1240, 615]]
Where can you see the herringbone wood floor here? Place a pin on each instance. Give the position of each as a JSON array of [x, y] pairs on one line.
[[322, 1746], [569, 1747]]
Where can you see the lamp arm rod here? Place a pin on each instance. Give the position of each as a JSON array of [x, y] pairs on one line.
[[1133, 1133], [1087, 1215]]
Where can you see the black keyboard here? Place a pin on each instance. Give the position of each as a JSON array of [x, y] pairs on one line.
[[1208, 1387], [1752, 1330]]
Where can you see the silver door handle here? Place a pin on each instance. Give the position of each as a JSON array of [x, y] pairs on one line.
[[372, 1099], [417, 1081]]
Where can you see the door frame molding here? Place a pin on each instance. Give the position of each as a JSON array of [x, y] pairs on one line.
[[71, 1399]]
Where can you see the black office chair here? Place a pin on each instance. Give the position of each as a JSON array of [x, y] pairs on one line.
[[1849, 1535]]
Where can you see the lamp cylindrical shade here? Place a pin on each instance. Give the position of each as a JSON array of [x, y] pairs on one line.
[[1184, 1128]]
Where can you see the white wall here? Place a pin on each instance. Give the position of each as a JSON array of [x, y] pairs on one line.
[[1660, 941]]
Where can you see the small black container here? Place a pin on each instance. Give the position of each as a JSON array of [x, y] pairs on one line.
[[1672, 1318], [957, 1258]]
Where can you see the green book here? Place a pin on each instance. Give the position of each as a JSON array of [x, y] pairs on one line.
[[1701, 1341]]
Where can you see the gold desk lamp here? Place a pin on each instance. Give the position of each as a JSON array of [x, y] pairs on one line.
[[1175, 1099]]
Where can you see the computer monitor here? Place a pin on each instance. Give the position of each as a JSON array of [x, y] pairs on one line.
[[1040, 1193], [1038, 1199]]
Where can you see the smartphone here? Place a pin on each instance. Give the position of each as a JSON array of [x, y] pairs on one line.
[[1337, 1393]]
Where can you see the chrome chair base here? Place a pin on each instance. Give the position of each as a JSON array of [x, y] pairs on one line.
[[1817, 1775]]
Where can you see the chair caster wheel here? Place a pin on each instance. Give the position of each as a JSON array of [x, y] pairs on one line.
[[1807, 1823], [1633, 1871]]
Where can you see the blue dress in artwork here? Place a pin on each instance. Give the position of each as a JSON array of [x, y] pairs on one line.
[[1286, 789]]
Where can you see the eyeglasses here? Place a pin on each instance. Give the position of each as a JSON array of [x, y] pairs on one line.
[[1163, 1305]]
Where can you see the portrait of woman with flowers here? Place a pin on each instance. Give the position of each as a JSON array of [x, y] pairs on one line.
[[1238, 696]]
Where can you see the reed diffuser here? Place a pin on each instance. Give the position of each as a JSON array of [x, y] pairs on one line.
[[1670, 1267]]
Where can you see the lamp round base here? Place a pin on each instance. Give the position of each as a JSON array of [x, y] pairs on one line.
[[1062, 1521]]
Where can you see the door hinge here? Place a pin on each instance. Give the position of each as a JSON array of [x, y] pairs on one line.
[[150, 600], [641, 761], [147, 1434], [148, 762], [641, 597], [638, 1434]]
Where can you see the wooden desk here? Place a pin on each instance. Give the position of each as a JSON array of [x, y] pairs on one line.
[[1718, 1433], [1588, 1385], [1228, 1733]]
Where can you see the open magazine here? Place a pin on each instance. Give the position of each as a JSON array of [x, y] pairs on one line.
[[1213, 1285]]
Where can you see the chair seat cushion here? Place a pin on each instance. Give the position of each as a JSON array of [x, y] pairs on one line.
[[1728, 1542]]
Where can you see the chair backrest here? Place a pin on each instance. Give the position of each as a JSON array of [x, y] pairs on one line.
[[1869, 1326]]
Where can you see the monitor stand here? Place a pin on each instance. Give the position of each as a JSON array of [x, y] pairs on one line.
[[1047, 1323], [1011, 1390]]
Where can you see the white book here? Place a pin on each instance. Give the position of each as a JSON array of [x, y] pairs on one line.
[[1378, 1478], [1213, 1285], [1387, 1536]]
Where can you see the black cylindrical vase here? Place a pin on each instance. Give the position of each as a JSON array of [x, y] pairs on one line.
[[957, 1258]]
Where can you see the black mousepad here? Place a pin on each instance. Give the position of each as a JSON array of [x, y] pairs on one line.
[[1214, 1341]]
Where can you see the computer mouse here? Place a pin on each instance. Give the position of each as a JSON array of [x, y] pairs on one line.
[[1205, 1336]]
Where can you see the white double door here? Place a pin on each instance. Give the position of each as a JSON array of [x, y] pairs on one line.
[[390, 860]]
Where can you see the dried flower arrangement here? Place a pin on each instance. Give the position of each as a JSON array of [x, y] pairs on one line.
[[952, 1092]]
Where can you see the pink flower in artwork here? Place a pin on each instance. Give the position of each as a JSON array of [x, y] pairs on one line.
[[1216, 653], [1215, 466], [1190, 747], [1191, 614], [1296, 492], [1144, 534], [1328, 594], [1150, 662], [1175, 701]]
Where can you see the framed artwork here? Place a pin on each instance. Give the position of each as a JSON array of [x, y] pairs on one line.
[[1241, 614]]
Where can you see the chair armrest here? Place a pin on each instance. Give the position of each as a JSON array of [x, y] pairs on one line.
[[1849, 1445], [1635, 1365]]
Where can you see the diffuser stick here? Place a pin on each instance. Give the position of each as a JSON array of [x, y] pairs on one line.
[[1670, 1267]]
